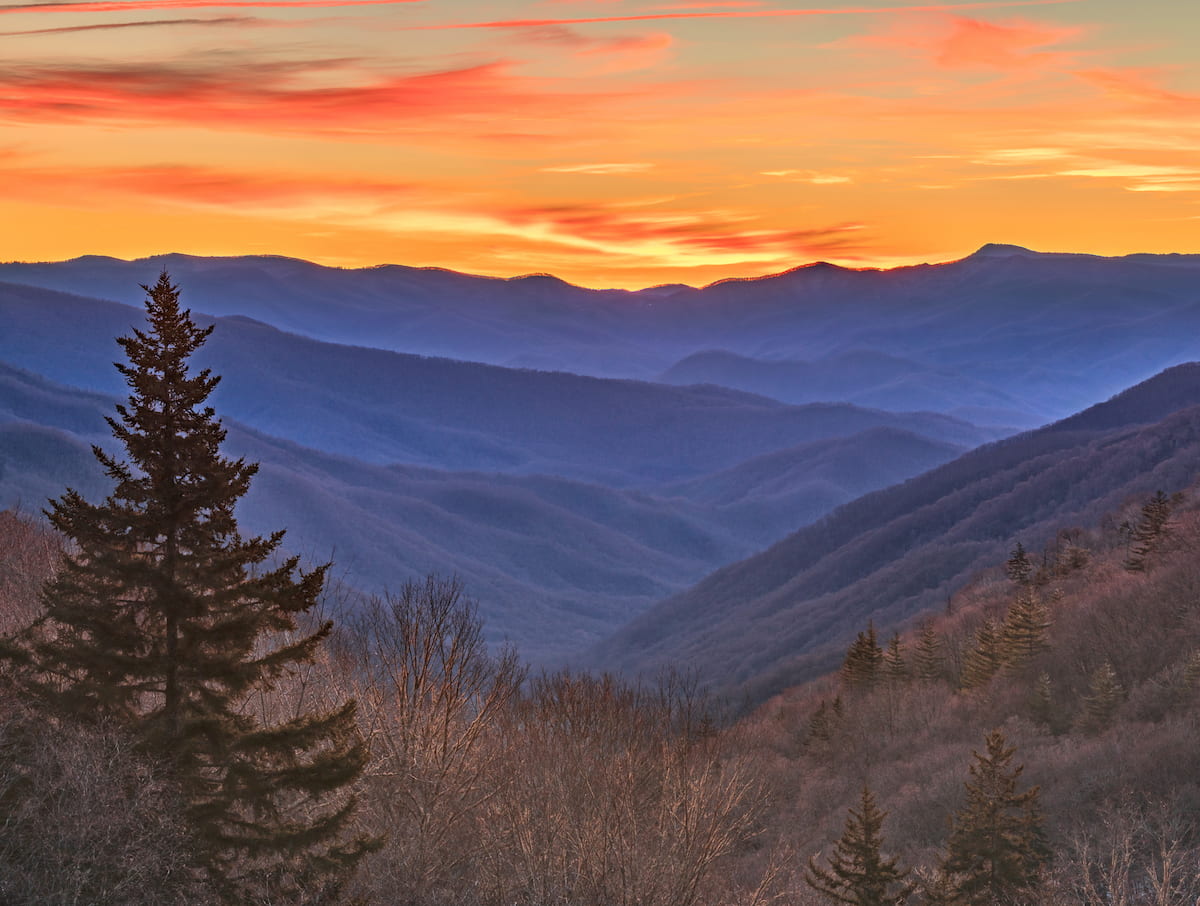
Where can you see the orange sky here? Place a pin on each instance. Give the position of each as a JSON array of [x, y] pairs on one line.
[[611, 142]]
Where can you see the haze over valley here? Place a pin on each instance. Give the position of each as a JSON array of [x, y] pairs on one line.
[[578, 456]]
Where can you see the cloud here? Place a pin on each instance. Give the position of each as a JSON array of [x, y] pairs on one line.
[[250, 191], [1015, 156], [682, 238], [809, 176], [624, 237], [279, 96], [112, 6], [599, 169], [242, 21], [1137, 85], [604, 55], [744, 14], [958, 42], [1139, 177]]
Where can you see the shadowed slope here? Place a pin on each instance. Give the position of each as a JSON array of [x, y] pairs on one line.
[[785, 614]]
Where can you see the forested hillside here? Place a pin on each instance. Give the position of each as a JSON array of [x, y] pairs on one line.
[[1084, 657], [782, 615]]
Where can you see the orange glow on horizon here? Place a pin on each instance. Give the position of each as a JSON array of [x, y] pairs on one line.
[[628, 144]]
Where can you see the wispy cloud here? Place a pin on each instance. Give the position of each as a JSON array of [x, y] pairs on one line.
[[177, 184], [603, 55], [960, 42], [600, 169], [746, 14], [279, 96], [809, 176], [113, 6], [240, 21]]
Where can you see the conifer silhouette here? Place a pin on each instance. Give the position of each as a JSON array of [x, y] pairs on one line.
[[861, 668], [1025, 631], [1018, 566], [164, 619], [996, 844], [929, 661], [1146, 537], [858, 874], [986, 658]]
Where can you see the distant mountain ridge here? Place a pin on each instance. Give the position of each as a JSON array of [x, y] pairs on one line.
[[556, 563], [861, 377], [386, 407], [1053, 331]]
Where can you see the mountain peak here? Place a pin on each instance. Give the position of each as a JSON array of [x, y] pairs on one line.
[[1002, 250]]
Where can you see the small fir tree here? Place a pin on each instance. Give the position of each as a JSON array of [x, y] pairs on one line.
[[929, 659], [985, 658], [162, 619], [1025, 631], [1146, 537], [861, 668], [1019, 567], [858, 874], [997, 844], [895, 670]]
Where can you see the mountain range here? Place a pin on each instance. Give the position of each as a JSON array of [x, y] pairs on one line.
[[1041, 334], [583, 459]]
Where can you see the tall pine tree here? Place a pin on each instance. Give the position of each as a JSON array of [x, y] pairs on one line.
[[929, 660], [1148, 534], [996, 844], [858, 874], [864, 660], [1024, 634], [164, 619], [985, 659]]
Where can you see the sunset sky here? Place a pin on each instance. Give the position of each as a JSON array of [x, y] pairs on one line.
[[610, 142]]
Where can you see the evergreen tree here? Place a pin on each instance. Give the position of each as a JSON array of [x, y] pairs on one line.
[[1146, 536], [861, 668], [996, 844], [929, 661], [1025, 631], [858, 874], [895, 670], [1018, 566], [985, 658], [1104, 697], [164, 619]]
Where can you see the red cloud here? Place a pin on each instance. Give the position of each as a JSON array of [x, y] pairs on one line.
[[271, 96], [1138, 85], [200, 185], [699, 232], [957, 42]]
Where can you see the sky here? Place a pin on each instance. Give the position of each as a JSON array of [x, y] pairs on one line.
[[613, 143]]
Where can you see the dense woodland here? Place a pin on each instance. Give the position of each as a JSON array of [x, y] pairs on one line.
[[1035, 741]]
